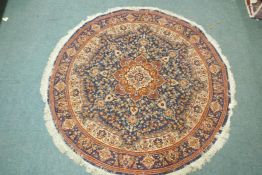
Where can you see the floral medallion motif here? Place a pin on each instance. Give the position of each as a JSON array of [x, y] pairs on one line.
[[139, 92], [138, 78]]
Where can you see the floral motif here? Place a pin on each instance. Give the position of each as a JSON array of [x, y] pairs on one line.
[[138, 78], [148, 161], [104, 154]]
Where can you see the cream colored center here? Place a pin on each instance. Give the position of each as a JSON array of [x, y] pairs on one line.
[[138, 77]]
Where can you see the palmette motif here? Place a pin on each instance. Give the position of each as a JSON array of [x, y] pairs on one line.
[[139, 92]]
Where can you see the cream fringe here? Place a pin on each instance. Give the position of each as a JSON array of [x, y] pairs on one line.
[[65, 149]]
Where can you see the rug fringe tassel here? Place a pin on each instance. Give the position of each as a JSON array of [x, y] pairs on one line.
[[65, 149]]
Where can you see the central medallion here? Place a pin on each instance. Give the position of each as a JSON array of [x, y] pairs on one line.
[[138, 78]]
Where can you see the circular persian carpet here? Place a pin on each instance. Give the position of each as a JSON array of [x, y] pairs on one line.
[[138, 92]]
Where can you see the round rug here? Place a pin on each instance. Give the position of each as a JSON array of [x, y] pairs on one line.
[[138, 91]]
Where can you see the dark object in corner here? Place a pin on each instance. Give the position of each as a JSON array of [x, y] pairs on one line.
[[254, 8], [2, 8]]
